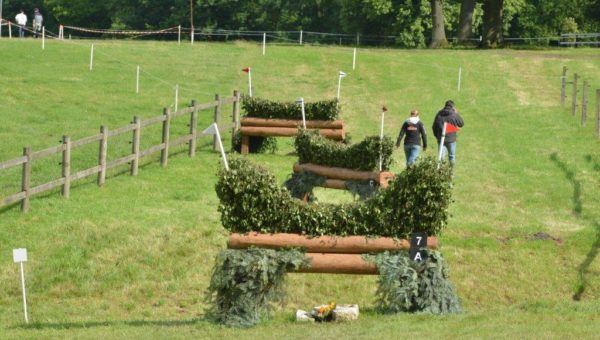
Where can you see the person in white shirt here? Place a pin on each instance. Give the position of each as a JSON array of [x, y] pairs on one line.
[[21, 20]]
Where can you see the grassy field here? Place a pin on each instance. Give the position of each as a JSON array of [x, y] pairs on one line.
[[133, 258]]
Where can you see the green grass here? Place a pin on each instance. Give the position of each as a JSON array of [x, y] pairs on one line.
[[133, 258]]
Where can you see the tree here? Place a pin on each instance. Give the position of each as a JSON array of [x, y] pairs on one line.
[[465, 25], [438, 33], [492, 23]]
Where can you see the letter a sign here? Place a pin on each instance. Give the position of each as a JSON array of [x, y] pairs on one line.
[[418, 241]]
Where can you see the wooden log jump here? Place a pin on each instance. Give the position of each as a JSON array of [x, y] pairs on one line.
[[328, 254], [262, 127], [336, 177]]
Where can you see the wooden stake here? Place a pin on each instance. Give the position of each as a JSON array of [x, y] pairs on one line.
[[66, 166], [26, 179], [563, 88], [164, 155], [584, 103], [102, 155], [193, 130], [574, 102], [135, 146], [235, 115]]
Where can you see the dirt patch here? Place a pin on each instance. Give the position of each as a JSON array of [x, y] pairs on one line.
[[542, 236]]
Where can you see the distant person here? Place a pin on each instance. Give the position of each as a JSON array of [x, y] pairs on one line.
[[415, 132], [21, 20], [449, 114], [38, 20]]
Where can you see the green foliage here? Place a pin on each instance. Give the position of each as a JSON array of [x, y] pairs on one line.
[[416, 200], [302, 183], [408, 286], [316, 149], [262, 108], [245, 283]]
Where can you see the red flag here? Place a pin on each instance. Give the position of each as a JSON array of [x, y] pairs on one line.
[[451, 128], [247, 69]]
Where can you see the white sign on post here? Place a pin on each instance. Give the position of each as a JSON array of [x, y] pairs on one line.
[[301, 102], [341, 75], [20, 256]]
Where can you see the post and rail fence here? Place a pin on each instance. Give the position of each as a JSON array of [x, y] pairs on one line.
[[584, 98], [103, 138]]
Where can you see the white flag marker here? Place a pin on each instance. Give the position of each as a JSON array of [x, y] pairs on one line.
[[354, 60], [459, 76], [383, 111], [20, 256], [179, 35], [92, 58], [264, 43], [342, 75], [301, 102], [43, 37], [442, 142], [249, 71], [137, 79], [213, 129]]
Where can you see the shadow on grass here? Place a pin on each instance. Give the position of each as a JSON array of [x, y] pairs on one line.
[[570, 175], [92, 324], [583, 268]]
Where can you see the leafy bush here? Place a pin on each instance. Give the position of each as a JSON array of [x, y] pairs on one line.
[[408, 286], [245, 283], [262, 108], [416, 200], [316, 149]]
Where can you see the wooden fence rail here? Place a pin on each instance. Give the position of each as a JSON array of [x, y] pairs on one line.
[[102, 138]]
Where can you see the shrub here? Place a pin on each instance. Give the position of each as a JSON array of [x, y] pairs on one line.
[[262, 108], [408, 286], [316, 149], [416, 200]]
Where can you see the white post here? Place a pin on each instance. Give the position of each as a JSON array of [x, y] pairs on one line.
[[9, 30], [264, 42], [381, 140], [442, 142], [192, 36], [221, 147], [341, 75], [43, 37], [459, 76], [69, 36], [176, 97], [249, 82], [24, 293], [301, 102], [92, 57], [301, 37], [61, 32], [179, 35], [354, 60], [137, 79]]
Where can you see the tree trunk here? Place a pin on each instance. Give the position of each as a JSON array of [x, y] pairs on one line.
[[492, 23], [438, 34], [465, 26]]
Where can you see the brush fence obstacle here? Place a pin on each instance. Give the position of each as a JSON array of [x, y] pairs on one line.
[[263, 127], [102, 139], [328, 254]]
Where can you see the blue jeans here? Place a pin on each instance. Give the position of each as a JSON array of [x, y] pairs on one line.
[[21, 31], [411, 152], [451, 148]]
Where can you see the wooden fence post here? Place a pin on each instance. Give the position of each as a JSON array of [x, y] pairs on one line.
[[584, 102], [102, 155], [235, 115], [135, 146], [598, 112], [66, 166], [26, 179], [193, 130], [164, 154], [563, 89], [216, 120], [574, 103]]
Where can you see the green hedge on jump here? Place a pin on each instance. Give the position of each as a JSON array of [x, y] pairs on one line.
[[262, 108]]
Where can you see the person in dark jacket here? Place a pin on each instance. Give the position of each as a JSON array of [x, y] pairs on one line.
[[449, 114], [415, 132]]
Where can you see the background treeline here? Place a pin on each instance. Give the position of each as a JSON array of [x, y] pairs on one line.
[[410, 23]]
